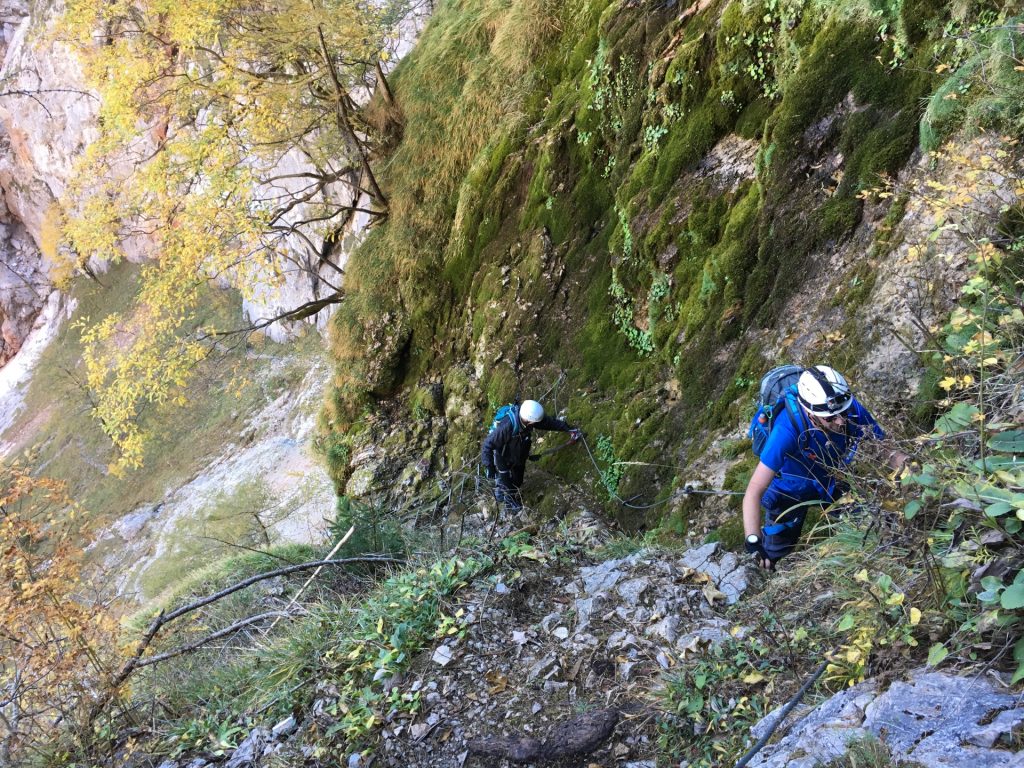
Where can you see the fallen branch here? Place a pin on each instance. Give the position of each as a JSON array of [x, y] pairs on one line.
[[313, 575], [576, 736], [135, 661], [147, 662]]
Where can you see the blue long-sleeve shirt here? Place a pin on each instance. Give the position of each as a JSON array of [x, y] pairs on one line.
[[806, 459]]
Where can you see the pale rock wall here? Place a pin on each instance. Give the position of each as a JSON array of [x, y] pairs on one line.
[[46, 119]]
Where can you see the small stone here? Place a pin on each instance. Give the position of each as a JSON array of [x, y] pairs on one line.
[[249, 750], [632, 590], [601, 577], [667, 629], [536, 708], [697, 559], [501, 589], [519, 638], [418, 730], [541, 667], [626, 670], [623, 640], [663, 660], [561, 633], [284, 727], [586, 607], [354, 760], [549, 620], [443, 655]]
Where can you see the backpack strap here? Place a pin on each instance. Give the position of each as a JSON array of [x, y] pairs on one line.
[[513, 414], [803, 426]]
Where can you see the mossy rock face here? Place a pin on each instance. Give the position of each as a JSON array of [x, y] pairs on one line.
[[567, 217]]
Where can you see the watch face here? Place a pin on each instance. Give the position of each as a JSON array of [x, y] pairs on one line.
[[752, 538]]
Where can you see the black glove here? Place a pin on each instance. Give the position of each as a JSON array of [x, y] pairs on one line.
[[534, 457], [755, 546]]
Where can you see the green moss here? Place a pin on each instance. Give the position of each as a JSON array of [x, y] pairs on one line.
[[983, 92], [729, 534], [750, 124], [426, 400], [501, 385], [687, 142], [852, 343], [924, 408], [611, 116]]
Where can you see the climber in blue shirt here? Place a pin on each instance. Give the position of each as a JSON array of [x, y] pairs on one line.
[[807, 450]]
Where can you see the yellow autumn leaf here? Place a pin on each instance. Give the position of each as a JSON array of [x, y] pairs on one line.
[[861, 575], [947, 383], [753, 677], [915, 617]]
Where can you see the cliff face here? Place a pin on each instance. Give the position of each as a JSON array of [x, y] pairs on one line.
[[639, 212], [44, 118]]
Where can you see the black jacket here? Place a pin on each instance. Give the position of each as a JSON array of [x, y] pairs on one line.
[[506, 447]]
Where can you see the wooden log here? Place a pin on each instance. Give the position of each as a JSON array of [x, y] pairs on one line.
[[575, 736]]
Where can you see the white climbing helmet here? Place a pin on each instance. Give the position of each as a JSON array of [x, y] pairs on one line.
[[823, 391], [530, 412]]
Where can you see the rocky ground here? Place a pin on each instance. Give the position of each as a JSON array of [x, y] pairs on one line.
[[562, 660]]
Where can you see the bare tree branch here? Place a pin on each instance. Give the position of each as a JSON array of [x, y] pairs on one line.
[[229, 630]]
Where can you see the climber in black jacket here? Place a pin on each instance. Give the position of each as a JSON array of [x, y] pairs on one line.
[[507, 447]]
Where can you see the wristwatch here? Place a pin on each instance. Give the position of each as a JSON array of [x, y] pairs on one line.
[[753, 539]]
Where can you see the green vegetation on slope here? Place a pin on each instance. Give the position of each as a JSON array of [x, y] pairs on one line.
[[549, 188]]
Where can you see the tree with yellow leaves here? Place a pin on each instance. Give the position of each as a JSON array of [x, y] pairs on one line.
[[56, 642], [230, 148]]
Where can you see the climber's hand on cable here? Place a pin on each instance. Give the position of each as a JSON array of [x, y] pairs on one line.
[[575, 434], [755, 546]]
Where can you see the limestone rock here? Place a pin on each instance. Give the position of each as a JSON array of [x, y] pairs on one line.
[[249, 751], [934, 719]]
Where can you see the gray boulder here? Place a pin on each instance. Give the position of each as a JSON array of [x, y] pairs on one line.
[[935, 719]]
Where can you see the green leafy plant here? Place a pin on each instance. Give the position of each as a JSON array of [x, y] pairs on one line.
[[714, 700], [880, 619], [612, 473], [964, 492]]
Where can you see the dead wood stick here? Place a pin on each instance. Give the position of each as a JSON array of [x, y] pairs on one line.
[[149, 661], [312, 576], [576, 736], [134, 660]]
